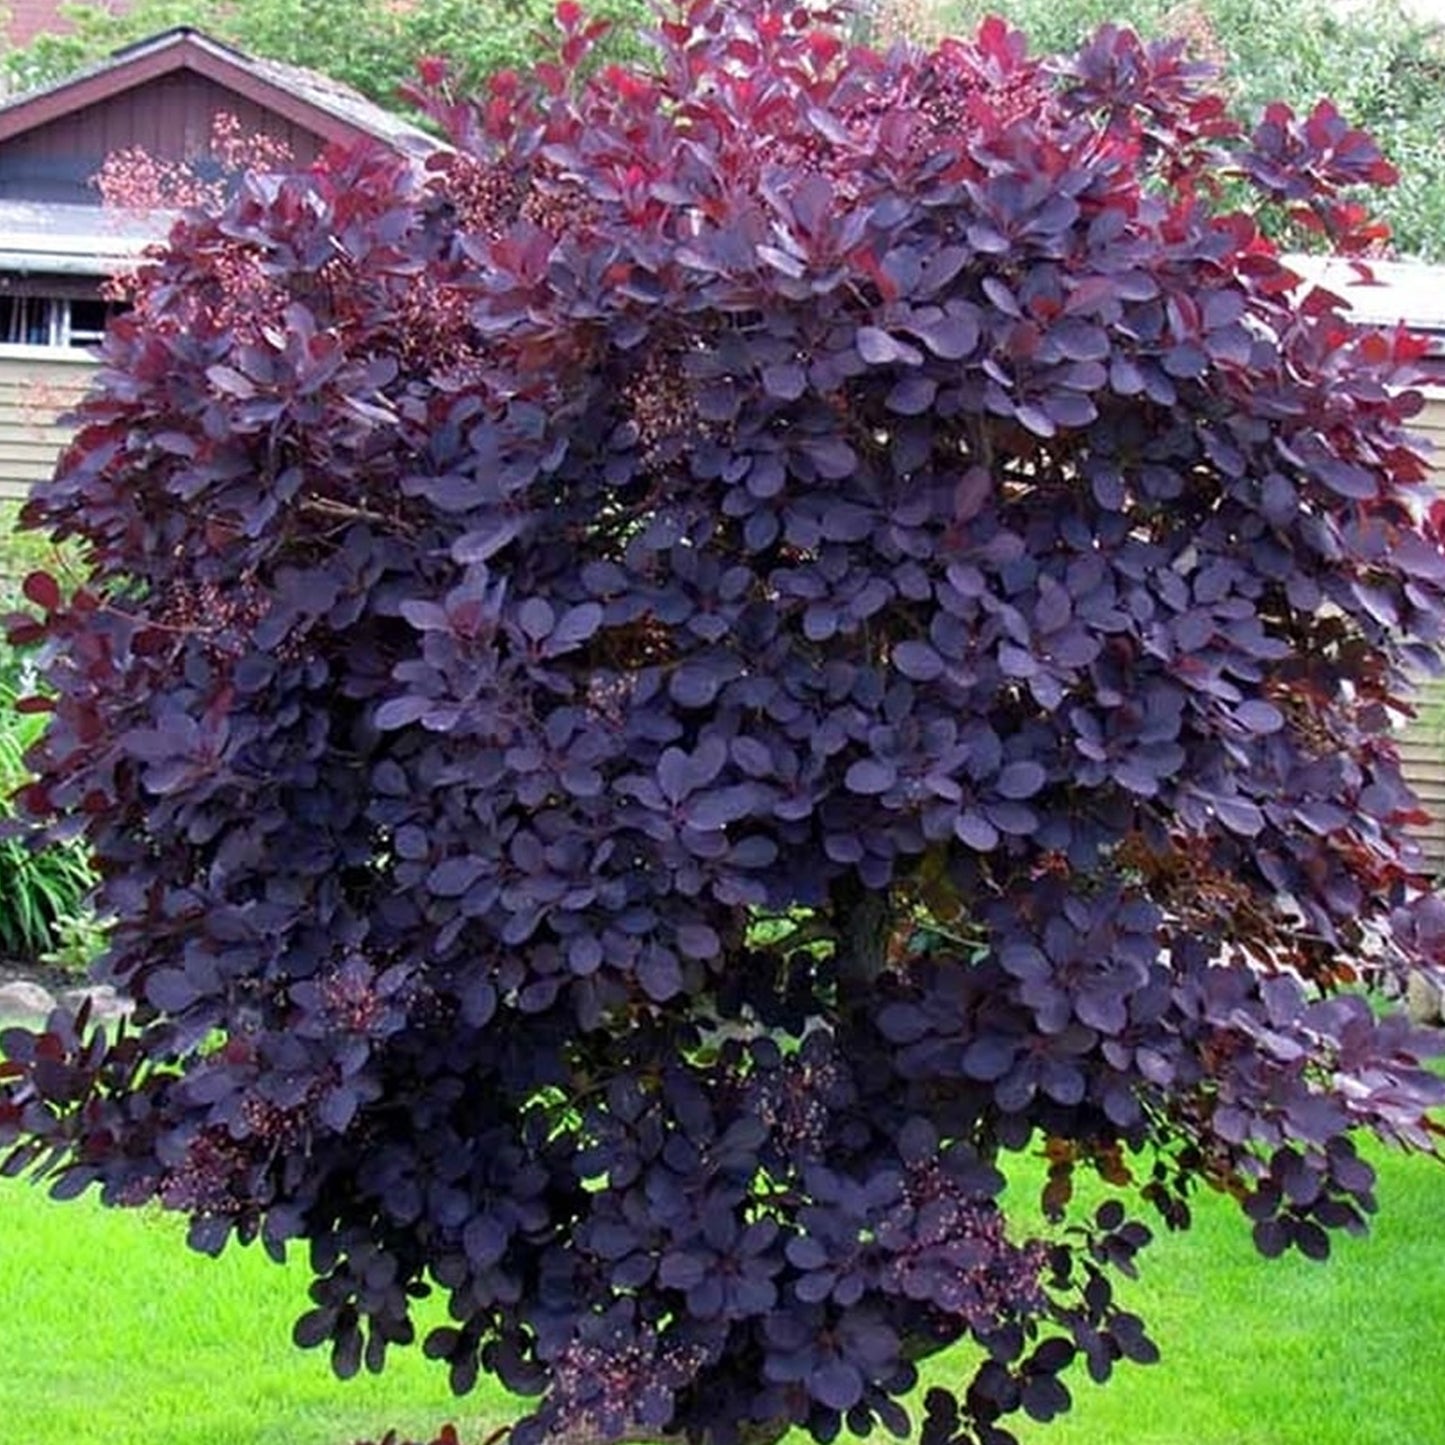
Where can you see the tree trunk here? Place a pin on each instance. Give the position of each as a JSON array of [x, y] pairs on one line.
[[863, 920]]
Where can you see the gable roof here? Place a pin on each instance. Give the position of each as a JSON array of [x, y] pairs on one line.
[[323, 106]]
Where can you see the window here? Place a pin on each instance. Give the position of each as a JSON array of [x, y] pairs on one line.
[[52, 320], [87, 322]]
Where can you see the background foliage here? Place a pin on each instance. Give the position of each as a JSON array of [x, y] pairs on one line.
[[1384, 70], [44, 890], [377, 56]]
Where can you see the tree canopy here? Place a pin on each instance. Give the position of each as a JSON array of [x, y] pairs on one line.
[[375, 49]]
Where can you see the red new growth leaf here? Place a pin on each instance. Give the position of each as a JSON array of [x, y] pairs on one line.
[[42, 589], [433, 71]]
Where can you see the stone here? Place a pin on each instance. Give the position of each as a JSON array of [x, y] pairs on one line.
[[22, 998], [1423, 1000], [105, 1004]]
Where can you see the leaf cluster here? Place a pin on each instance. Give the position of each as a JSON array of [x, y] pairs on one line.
[[1380, 64]]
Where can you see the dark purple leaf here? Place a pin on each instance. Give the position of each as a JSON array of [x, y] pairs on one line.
[[976, 831], [836, 1384], [452, 877], [1037, 419], [952, 336], [695, 685], [917, 660], [1259, 717], [1020, 780], [871, 775], [485, 542], [912, 396], [697, 940], [974, 488], [536, 618], [714, 810], [785, 382], [878, 348], [575, 626], [989, 1057], [659, 974], [171, 990], [484, 1240]]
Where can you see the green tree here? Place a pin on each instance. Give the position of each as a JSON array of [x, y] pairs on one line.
[[375, 53]]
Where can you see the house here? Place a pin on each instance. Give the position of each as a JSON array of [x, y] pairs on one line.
[[1413, 293], [57, 245]]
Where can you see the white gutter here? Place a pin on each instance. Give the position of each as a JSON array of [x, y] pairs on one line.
[[60, 263], [1408, 292]]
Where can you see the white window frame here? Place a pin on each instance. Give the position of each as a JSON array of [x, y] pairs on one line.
[[56, 316]]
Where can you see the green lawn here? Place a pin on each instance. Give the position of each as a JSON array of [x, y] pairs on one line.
[[113, 1333], [1286, 1351]]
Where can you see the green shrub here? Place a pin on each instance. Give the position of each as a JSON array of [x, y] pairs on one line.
[[80, 938], [44, 889]]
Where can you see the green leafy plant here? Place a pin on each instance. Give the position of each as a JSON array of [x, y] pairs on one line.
[[43, 887], [80, 938], [44, 912], [22, 553]]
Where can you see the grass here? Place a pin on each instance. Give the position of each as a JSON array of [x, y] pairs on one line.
[[1287, 1351], [113, 1333]]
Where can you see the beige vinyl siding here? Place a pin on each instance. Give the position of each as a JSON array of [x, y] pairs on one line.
[[1422, 745], [1422, 756], [1430, 423], [37, 385]]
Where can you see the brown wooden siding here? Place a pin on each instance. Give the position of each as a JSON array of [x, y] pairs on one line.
[[34, 390], [170, 118]]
